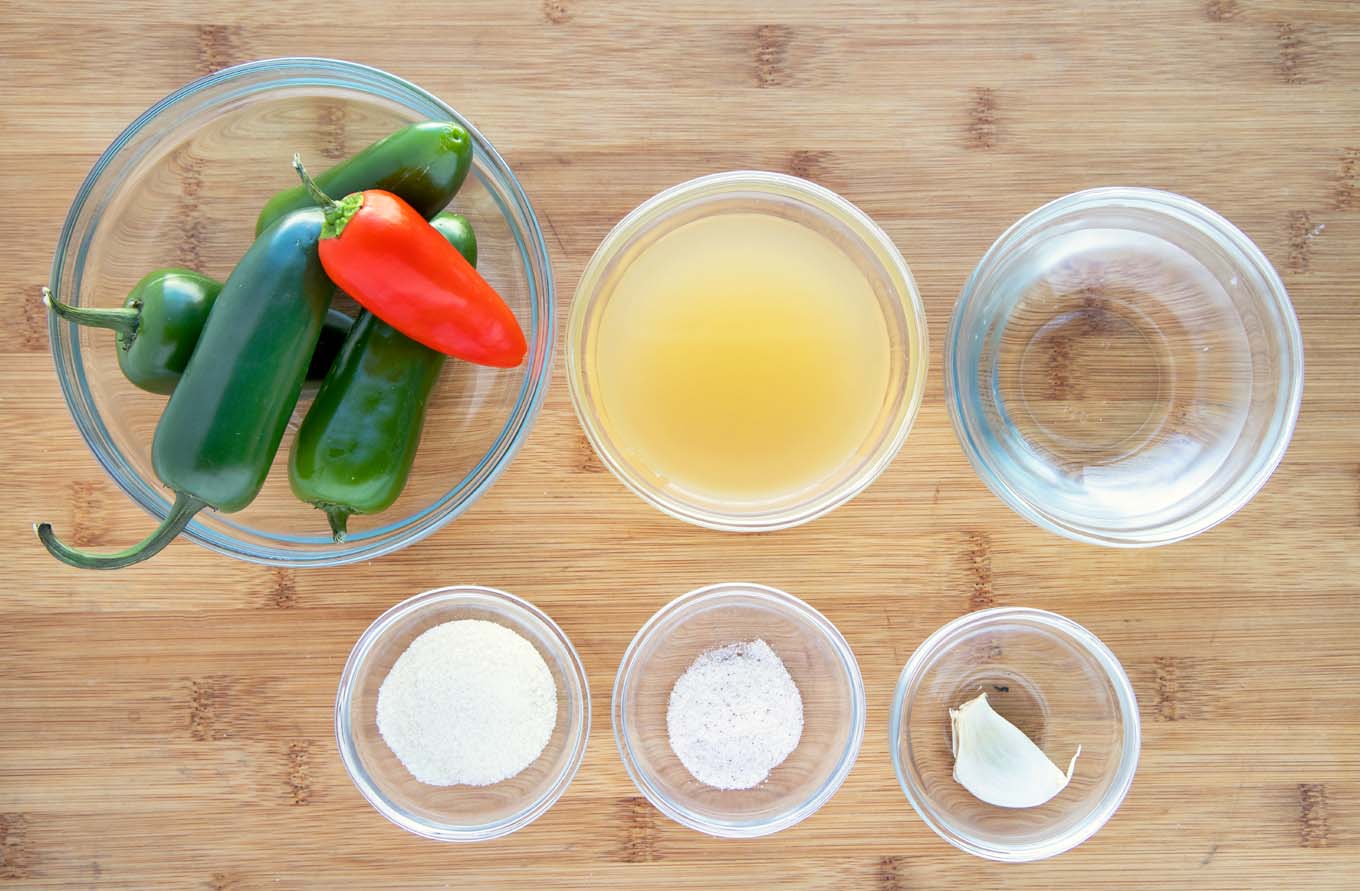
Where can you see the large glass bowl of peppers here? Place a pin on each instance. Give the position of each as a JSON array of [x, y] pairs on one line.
[[176, 215]]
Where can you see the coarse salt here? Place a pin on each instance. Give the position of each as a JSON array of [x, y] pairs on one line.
[[469, 702], [735, 715]]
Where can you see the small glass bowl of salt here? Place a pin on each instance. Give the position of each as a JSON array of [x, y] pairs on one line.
[[738, 710], [462, 713]]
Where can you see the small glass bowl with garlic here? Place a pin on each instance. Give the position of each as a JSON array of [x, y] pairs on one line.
[[1056, 683]]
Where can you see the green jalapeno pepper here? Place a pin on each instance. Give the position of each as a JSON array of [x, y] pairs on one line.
[[223, 424], [161, 319], [355, 447], [156, 327], [424, 164]]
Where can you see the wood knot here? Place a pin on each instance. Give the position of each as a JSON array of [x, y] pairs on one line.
[[1178, 689], [189, 250], [225, 881], [217, 47], [1168, 701], [1347, 194], [89, 513], [1301, 233], [207, 699], [282, 589], [1092, 319], [1221, 10], [987, 649], [771, 54], [300, 772], [638, 819], [332, 132], [587, 461], [809, 164], [1059, 366], [189, 168], [1292, 53], [890, 876], [16, 856], [979, 557], [982, 123], [32, 321], [556, 12], [1313, 816], [189, 211]]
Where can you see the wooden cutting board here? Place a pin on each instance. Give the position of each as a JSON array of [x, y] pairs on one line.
[[171, 725]]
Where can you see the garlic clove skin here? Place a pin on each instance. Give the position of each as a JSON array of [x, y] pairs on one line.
[[997, 763]]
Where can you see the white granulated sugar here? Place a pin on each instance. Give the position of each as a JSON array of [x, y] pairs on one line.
[[734, 715], [469, 702]]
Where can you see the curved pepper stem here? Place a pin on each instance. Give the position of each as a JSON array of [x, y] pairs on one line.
[[181, 512], [338, 213], [123, 319]]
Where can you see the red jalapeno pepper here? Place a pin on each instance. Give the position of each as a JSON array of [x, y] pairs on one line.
[[385, 255]]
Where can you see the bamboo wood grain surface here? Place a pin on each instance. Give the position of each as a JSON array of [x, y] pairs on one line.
[[171, 725]]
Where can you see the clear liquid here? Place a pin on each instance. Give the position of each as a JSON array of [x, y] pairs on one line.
[[1122, 375], [742, 357]]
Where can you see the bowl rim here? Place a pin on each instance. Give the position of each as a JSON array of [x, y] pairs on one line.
[[1275, 298], [924, 656], [505, 603], [531, 249], [784, 602], [825, 202]]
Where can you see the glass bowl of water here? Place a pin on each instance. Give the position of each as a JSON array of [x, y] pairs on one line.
[[1124, 367]]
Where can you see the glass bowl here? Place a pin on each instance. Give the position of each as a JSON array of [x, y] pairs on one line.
[[1052, 679], [1124, 367], [816, 656], [458, 813], [818, 209], [182, 186]]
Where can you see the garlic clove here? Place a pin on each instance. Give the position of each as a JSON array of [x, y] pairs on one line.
[[997, 763]]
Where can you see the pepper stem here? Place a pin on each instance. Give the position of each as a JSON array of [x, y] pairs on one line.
[[338, 213], [323, 201], [339, 520], [181, 512], [123, 319]]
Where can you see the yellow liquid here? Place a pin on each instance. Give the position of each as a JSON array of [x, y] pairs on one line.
[[742, 357]]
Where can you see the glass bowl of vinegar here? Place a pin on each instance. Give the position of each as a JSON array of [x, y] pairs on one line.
[[1124, 367], [747, 351]]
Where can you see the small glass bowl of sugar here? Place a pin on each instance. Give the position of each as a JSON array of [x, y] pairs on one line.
[[686, 708], [467, 801]]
